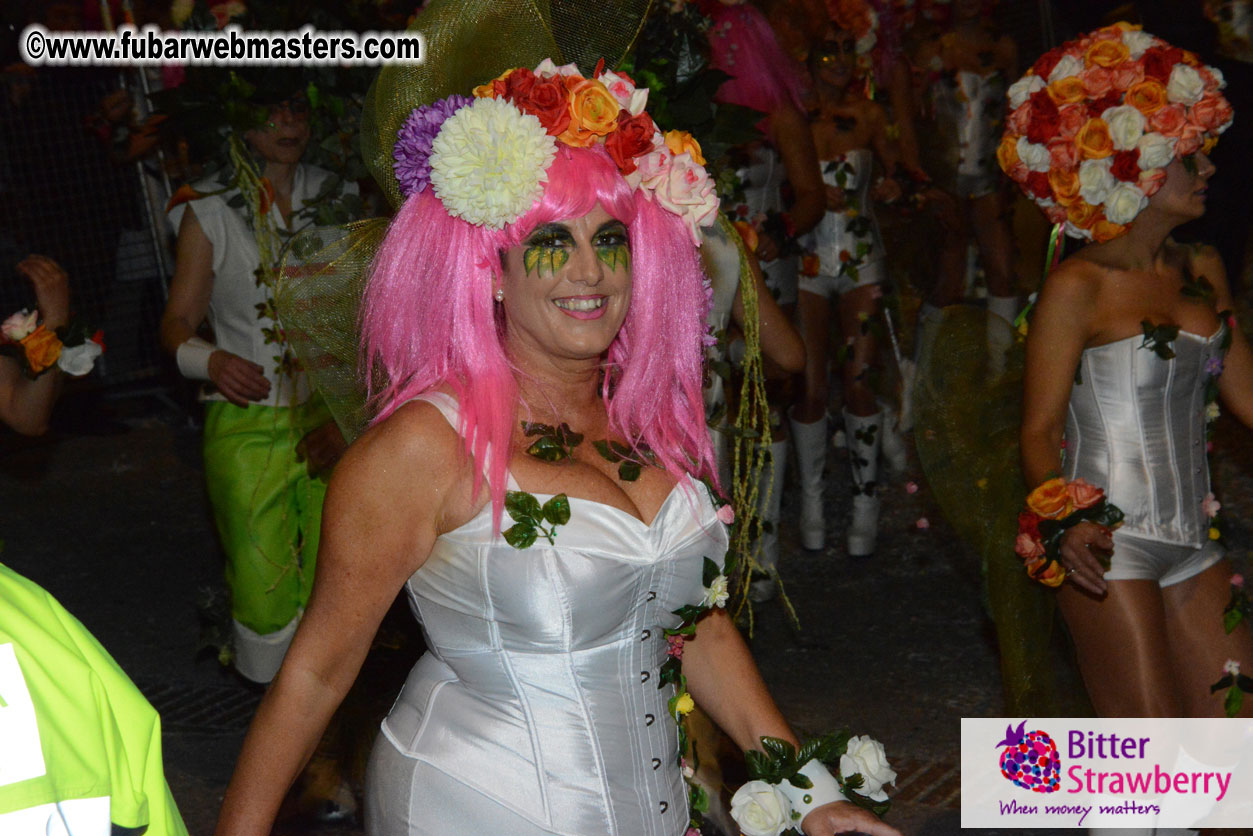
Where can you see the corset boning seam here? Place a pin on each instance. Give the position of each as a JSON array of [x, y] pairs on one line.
[[506, 662], [1175, 476]]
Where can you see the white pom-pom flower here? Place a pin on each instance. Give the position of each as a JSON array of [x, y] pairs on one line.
[[1156, 150], [1126, 126], [489, 162], [1124, 202], [78, 360]]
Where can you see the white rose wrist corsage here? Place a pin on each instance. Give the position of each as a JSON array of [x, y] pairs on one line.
[[789, 783]]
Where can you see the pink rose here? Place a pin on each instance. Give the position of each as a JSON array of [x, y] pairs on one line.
[[1055, 213], [1018, 172], [1019, 119], [1211, 506], [1151, 181], [1070, 120], [1084, 494], [1097, 81], [20, 325], [684, 188], [1211, 113], [1028, 547], [1237, 581], [923, 523], [1126, 75], [1168, 120], [674, 646], [726, 515], [622, 88], [1064, 155], [911, 487], [1190, 140]]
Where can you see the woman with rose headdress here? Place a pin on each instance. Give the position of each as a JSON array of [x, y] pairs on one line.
[[1130, 344], [532, 325]]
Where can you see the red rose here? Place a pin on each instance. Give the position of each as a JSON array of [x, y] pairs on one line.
[[632, 138], [1046, 62], [547, 100], [1038, 184], [1160, 60], [517, 87], [1098, 106], [1028, 523], [1127, 165], [1044, 118]]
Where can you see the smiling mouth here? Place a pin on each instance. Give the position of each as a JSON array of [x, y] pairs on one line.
[[581, 304]]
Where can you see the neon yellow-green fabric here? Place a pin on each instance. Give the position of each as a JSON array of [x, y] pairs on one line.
[[266, 506], [98, 735]]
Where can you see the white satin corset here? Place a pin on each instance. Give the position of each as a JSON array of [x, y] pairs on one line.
[[763, 180], [838, 231], [1136, 427], [540, 685]]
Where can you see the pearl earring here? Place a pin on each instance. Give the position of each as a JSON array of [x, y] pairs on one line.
[[500, 294]]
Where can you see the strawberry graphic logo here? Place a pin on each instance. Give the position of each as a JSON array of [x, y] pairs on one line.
[[1030, 759]]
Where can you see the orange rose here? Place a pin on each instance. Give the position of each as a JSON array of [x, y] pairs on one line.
[[488, 90], [1094, 141], [1148, 97], [42, 348], [1051, 575], [1065, 183], [1007, 152], [593, 112], [1051, 500], [1084, 494], [1106, 53], [1067, 90], [680, 141], [1082, 214], [810, 264], [1028, 547], [1103, 230]]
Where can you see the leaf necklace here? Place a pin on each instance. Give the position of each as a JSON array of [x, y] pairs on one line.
[[556, 444]]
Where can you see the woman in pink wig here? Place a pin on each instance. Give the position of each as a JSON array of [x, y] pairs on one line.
[[533, 483]]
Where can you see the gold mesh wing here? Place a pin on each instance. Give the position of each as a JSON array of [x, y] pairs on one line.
[[966, 432], [470, 42], [321, 280]]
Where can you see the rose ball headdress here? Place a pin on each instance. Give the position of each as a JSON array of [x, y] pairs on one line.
[[486, 158], [858, 18], [1094, 123]]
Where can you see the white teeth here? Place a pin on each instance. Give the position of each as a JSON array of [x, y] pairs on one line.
[[580, 304]]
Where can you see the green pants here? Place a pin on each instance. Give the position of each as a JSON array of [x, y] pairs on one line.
[[268, 511]]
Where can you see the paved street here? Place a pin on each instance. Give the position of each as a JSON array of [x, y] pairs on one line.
[[117, 527]]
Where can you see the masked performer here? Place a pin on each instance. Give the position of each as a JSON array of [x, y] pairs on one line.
[[537, 298], [1130, 343]]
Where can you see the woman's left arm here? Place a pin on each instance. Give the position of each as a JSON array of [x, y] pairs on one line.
[[725, 682], [1236, 384]]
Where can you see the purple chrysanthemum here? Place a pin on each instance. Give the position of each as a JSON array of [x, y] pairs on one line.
[[1214, 366], [412, 152]]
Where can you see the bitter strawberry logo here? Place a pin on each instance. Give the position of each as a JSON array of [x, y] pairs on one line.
[[1030, 759]]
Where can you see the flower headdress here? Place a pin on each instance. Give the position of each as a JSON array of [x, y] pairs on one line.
[[858, 18], [1095, 121], [487, 157]]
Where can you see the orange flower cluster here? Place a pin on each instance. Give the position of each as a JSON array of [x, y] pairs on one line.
[[1094, 123], [1054, 501]]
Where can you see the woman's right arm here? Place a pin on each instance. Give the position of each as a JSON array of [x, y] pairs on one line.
[[780, 341], [1064, 318], [240, 381], [384, 504]]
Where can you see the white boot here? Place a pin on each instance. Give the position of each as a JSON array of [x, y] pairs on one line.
[[763, 589], [895, 453], [864, 439], [1000, 338], [811, 459]]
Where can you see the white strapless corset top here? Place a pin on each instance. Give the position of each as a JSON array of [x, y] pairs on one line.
[[540, 685], [1136, 427]]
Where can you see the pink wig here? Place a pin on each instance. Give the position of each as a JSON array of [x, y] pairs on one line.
[[428, 320], [763, 76]]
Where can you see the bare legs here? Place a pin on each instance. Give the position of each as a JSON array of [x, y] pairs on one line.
[[1147, 651]]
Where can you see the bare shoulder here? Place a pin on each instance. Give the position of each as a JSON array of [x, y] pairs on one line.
[[1075, 281], [408, 465]]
